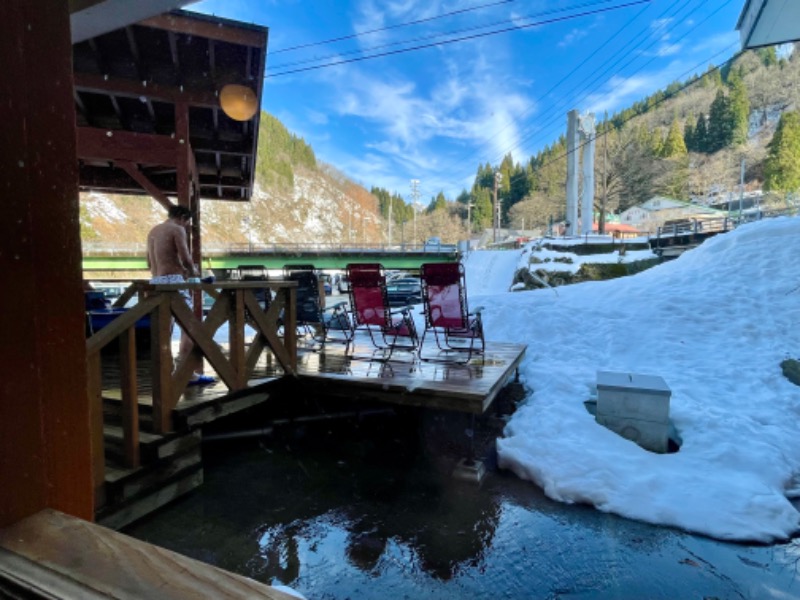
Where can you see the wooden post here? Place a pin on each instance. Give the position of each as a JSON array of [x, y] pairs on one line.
[[95, 398], [236, 338], [130, 397], [161, 353], [187, 198], [45, 442]]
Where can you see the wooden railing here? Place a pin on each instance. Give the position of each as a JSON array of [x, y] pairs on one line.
[[234, 303]]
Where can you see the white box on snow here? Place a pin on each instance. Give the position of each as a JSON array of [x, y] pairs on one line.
[[636, 407]]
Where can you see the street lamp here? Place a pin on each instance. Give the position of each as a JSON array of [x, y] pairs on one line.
[[414, 196], [390, 221], [498, 177], [246, 221]]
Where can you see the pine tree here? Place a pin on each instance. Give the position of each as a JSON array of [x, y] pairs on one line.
[[482, 211], [768, 56], [701, 134], [782, 165], [740, 109], [721, 123], [656, 142], [674, 144], [437, 203], [688, 136]]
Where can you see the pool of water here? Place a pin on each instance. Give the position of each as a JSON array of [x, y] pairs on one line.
[[366, 510]]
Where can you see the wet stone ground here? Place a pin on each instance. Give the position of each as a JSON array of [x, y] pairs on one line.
[[366, 508]]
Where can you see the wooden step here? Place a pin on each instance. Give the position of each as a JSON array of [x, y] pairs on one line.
[[189, 415], [152, 447], [195, 409], [117, 515], [171, 466], [123, 485]]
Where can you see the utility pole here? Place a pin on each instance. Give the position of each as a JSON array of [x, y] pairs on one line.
[[741, 191], [414, 196], [390, 220], [498, 176], [601, 220]]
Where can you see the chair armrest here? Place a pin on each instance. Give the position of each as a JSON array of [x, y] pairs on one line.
[[335, 307], [477, 310], [405, 310]]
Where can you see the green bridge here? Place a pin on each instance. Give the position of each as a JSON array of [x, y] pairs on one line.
[[326, 259]]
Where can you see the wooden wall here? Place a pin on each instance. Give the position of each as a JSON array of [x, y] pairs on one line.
[[45, 454]]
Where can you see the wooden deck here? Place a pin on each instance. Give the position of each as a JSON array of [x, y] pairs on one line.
[[469, 388], [404, 380], [171, 463]]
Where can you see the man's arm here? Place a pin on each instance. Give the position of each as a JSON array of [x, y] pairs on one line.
[[150, 253], [183, 252]]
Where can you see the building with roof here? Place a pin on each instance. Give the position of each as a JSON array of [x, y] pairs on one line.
[[652, 214]]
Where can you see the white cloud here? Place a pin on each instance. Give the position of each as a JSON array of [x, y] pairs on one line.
[[316, 117], [572, 37], [619, 91], [668, 49]]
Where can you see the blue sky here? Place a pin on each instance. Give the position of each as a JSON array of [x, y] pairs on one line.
[[436, 113]]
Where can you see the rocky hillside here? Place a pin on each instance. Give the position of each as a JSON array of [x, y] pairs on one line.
[[296, 201]]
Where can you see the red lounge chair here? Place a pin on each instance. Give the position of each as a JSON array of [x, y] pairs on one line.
[[455, 328], [388, 329]]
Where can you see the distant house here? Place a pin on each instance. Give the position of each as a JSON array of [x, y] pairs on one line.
[[618, 230], [652, 214]]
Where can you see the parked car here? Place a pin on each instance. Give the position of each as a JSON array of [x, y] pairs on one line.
[[326, 283], [344, 284], [392, 275], [404, 291], [434, 243]]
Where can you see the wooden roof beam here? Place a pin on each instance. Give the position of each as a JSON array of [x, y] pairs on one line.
[[142, 148], [89, 82], [134, 47], [140, 178], [214, 28]]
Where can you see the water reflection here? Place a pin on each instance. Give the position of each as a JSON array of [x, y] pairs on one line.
[[362, 513], [372, 511]]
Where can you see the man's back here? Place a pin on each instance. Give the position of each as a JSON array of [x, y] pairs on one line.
[[167, 250]]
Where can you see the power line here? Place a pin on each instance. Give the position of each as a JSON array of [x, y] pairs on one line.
[[574, 70], [658, 102], [553, 108], [461, 39], [439, 35], [623, 54], [599, 75], [390, 27]]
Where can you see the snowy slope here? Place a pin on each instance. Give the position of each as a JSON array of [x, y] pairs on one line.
[[715, 324]]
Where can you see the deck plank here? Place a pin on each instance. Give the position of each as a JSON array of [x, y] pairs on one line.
[[63, 557], [467, 388]]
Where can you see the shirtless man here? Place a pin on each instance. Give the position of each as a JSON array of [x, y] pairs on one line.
[[167, 249], [170, 261]]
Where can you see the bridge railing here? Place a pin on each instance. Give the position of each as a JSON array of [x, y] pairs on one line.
[[162, 304], [244, 249], [692, 226]]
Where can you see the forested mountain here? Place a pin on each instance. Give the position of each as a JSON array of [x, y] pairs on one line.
[[687, 141]]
